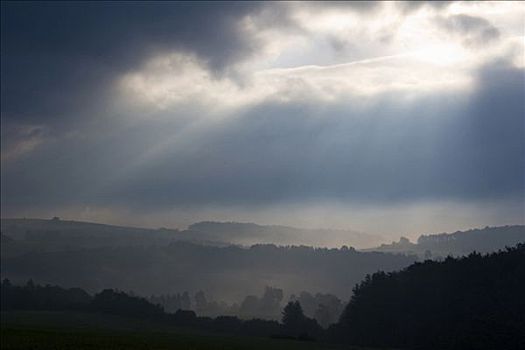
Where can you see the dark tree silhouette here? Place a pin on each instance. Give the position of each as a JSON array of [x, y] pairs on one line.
[[293, 316], [296, 324], [36, 297], [120, 303], [475, 302]]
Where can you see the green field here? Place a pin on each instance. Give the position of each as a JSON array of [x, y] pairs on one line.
[[65, 330]]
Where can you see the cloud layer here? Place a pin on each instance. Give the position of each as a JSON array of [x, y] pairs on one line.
[[206, 108]]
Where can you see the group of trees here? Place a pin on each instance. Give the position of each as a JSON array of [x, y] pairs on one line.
[[120, 303], [53, 298], [485, 240], [296, 324], [323, 307], [474, 302], [267, 307], [459, 243], [172, 302], [226, 273], [36, 297]]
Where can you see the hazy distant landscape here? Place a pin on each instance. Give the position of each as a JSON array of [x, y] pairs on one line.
[[415, 299], [167, 263], [262, 175], [85, 234], [164, 261]]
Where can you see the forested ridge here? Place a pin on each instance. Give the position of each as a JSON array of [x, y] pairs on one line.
[[224, 273], [473, 302], [441, 245]]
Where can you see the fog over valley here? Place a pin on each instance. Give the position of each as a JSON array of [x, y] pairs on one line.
[[214, 257]]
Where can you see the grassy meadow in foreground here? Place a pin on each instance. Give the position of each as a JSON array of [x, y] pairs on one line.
[[63, 330]]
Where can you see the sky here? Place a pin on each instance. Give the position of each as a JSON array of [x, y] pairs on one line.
[[391, 118]]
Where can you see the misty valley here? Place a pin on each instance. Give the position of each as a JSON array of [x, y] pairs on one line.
[[186, 279]]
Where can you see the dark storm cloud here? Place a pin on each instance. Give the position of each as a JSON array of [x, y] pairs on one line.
[[493, 132], [444, 146], [59, 58]]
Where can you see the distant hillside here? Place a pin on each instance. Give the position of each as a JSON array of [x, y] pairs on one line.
[[249, 234], [56, 234], [224, 273], [486, 240], [148, 261]]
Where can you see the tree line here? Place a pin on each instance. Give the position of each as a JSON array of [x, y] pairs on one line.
[[32, 296], [226, 273], [473, 302], [325, 308]]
